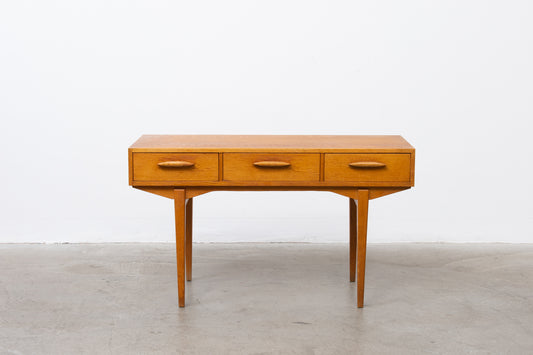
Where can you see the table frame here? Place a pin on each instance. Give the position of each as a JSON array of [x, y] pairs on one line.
[[209, 151], [358, 221]]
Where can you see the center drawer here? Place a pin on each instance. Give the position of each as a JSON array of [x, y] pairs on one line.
[[271, 167]]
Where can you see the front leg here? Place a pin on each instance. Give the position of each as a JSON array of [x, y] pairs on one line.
[[362, 221], [179, 211]]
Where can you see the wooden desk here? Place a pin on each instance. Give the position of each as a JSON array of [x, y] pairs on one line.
[[182, 167]]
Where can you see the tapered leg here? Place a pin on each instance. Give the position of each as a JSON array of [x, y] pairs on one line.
[[362, 221], [353, 238], [188, 238], [179, 210]]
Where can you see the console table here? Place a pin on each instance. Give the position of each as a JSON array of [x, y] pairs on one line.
[[182, 167]]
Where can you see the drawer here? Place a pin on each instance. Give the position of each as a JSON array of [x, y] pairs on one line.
[[175, 167], [367, 167], [271, 167]]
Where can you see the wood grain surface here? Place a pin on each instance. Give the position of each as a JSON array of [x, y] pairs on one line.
[[272, 143], [182, 167]]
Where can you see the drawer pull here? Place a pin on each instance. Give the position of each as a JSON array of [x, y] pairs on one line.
[[366, 164], [272, 164], [176, 164]]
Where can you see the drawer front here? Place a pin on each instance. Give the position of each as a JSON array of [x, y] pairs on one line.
[[175, 167], [271, 167], [367, 167]]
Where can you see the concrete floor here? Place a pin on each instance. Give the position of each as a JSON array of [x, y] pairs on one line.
[[266, 299]]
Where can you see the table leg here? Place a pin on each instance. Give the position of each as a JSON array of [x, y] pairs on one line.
[[179, 211], [188, 238], [362, 221], [353, 238]]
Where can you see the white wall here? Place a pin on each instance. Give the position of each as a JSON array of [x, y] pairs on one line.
[[80, 81]]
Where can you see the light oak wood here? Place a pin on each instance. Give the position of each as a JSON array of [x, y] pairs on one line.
[[362, 221], [146, 167], [272, 164], [353, 238], [395, 168], [240, 167], [413, 168], [220, 166], [272, 143], [376, 192], [367, 164], [271, 183], [130, 166], [333, 168], [358, 167], [179, 211], [175, 164], [197, 190], [193, 191], [188, 238], [321, 172]]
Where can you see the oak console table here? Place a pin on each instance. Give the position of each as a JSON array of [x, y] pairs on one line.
[[182, 167]]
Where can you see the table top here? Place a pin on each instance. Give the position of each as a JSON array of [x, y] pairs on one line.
[[272, 143]]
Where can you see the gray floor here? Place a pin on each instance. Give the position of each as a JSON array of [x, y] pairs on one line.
[[266, 298]]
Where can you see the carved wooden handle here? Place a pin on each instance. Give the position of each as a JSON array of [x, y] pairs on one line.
[[367, 164], [272, 164], [176, 164]]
